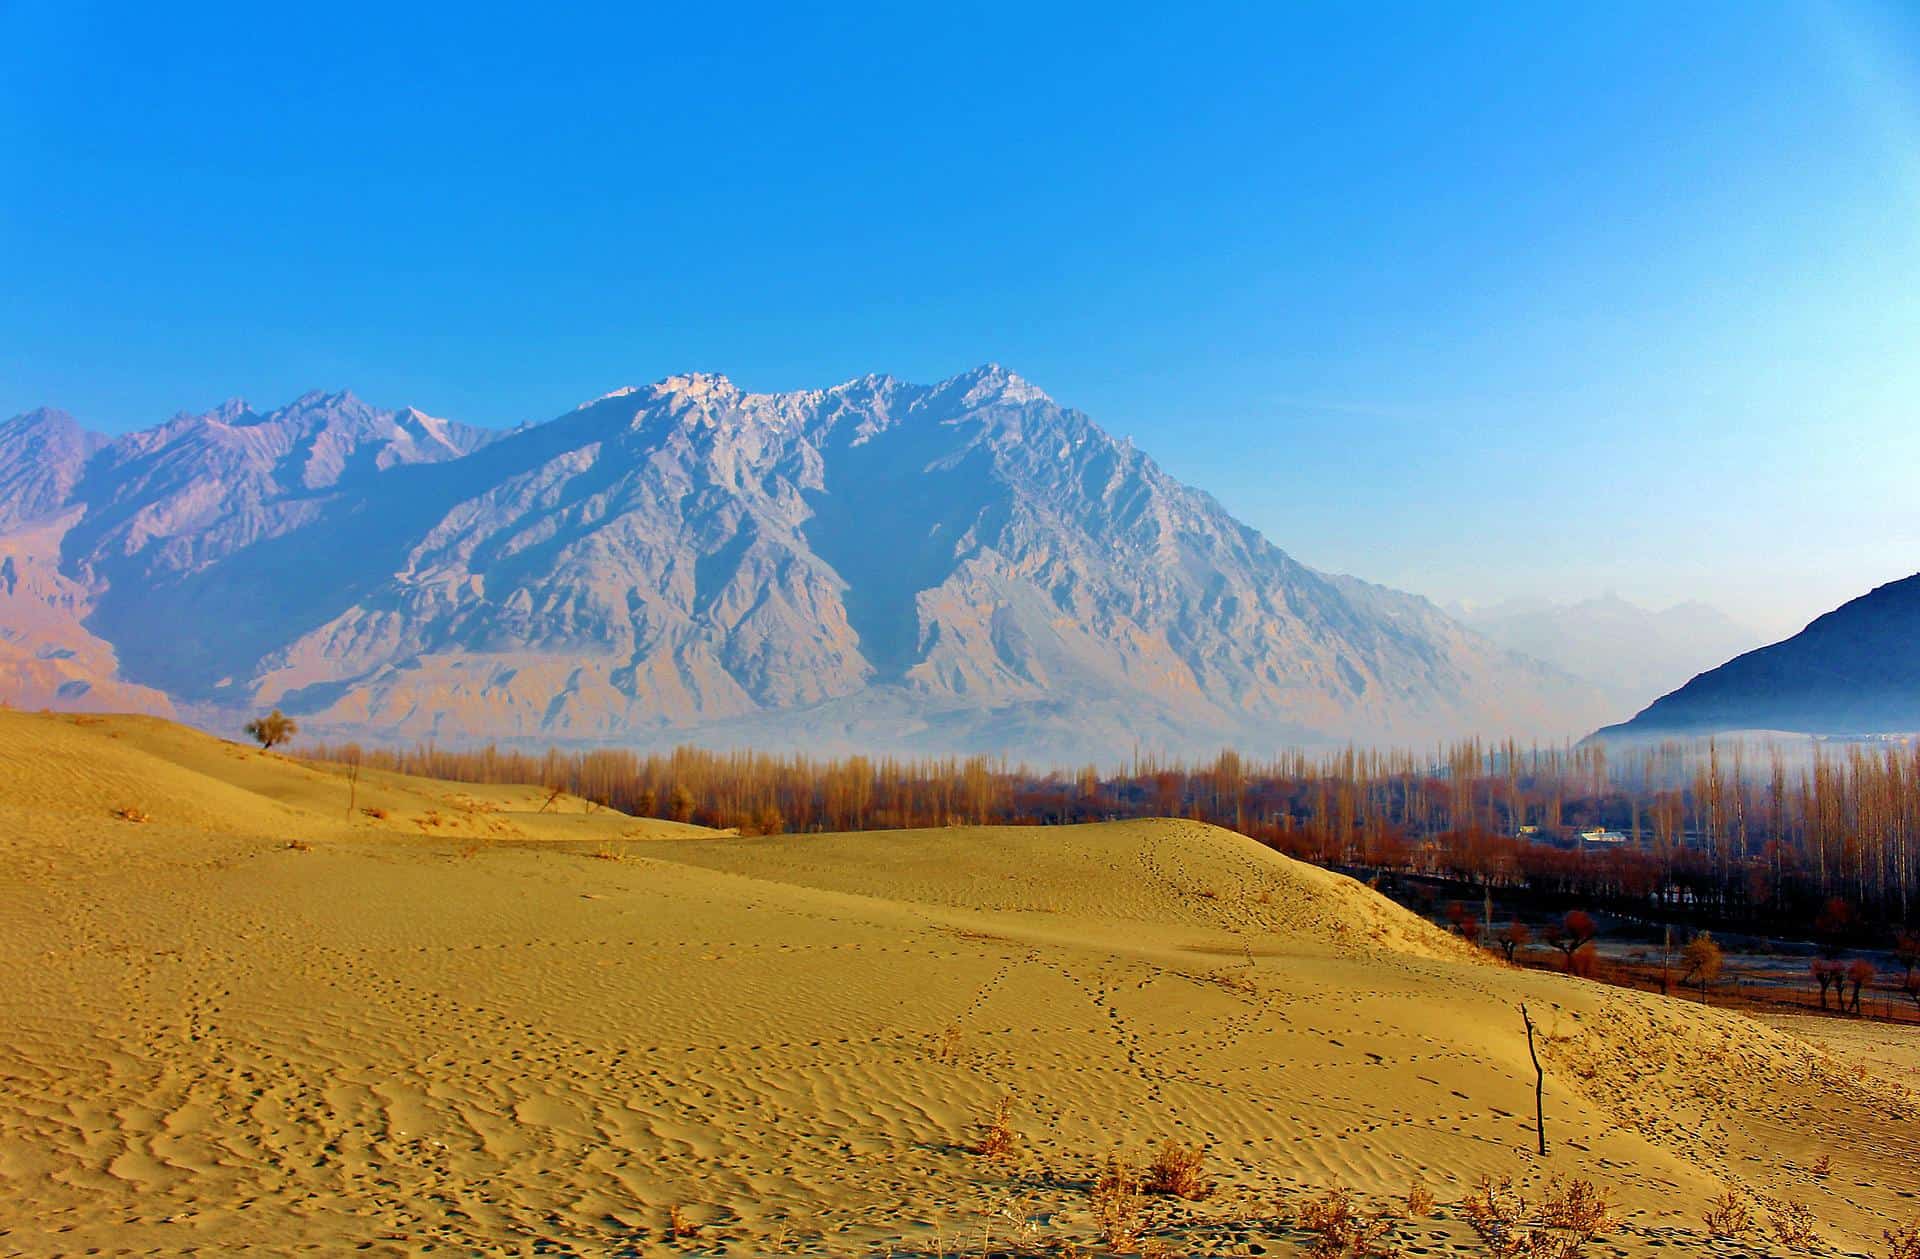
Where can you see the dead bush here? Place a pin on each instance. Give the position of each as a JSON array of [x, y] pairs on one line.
[[375, 812], [1330, 1211], [1578, 1207], [1419, 1200], [127, 813], [1729, 1215], [1792, 1224], [998, 1139], [299, 845], [946, 1046], [1502, 1217], [1823, 1165], [1904, 1242], [1343, 1232], [1119, 1208], [679, 1224], [1176, 1170]]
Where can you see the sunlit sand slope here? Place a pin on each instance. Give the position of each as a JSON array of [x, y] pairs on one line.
[[423, 1042]]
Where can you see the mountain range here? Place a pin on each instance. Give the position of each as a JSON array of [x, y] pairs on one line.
[[1632, 654], [1854, 671], [877, 566]]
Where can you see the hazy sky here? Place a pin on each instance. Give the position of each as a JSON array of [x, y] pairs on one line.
[[1478, 301]]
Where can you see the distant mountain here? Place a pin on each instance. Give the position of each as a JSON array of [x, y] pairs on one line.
[[962, 566], [1854, 671], [1631, 653]]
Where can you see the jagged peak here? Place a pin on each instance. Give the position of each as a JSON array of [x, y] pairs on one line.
[[991, 380], [696, 386], [42, 416]]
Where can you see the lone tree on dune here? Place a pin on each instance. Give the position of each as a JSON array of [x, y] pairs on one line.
[[1572, 933], [1702, 956], [275, 727]]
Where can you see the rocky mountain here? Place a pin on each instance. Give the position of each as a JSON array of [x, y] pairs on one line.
[[1854, 671], [1633, 654], [960, 566]]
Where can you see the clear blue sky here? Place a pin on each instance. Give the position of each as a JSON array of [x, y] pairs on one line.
[[1479, 301]]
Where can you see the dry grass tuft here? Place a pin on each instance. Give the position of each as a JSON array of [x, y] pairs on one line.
[[127, 813], [1904, 1242], [375, 812], [946, 1046], [1792, 1224], [998, 1139], [606, 852], [1119, 1208], [1728, 1215], [680, 1225], [1419, 1200], [299, 845], [1176, 1170]]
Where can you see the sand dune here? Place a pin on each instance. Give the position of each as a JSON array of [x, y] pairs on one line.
[[471, 1026]]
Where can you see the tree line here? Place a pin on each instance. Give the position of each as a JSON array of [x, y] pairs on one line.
[[1740, 833]]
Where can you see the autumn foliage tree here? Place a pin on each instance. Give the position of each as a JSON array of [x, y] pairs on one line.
[[1513, 937], [1859, 975], [1703, 960], [1575, 931]]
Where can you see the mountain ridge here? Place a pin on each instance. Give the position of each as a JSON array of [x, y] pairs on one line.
[[963, 565], [1852, 671]]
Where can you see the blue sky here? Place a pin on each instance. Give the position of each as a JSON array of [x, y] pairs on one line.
[[1480, 301]]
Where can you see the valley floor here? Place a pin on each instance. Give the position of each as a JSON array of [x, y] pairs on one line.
[[452, 1021]]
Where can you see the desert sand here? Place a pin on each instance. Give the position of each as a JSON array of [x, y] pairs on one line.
[[465, 1020]]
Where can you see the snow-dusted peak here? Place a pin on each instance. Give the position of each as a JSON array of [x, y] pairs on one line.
[[992, 382], [697, 387]]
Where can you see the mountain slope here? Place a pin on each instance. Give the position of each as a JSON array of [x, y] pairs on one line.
[[966, 565], [1855, 670], [1630, 652]]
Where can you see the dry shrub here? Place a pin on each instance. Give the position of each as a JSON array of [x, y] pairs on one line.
[[1904, 1242], [1343, 1232], [1330, 1211], [1499, 1213], [1578, 1207], [299, 845], [1728, 1215], [605, 853], [375, 812], [1823, 1165], [998, 1139], [127, 813], [1792, 1223], [1119, 1208], [1357, 1239], [1175, 1170], [1419, 1200], [679, 1225], [946, 1046], [469, 851]]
